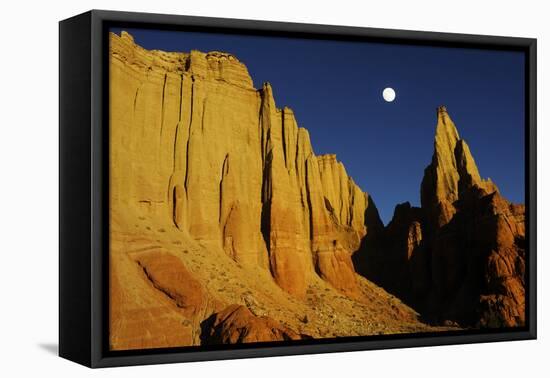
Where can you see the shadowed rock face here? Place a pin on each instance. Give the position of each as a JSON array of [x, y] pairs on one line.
[[461, 256], [198, 145]]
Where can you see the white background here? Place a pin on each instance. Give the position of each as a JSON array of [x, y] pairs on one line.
[[29, 186]]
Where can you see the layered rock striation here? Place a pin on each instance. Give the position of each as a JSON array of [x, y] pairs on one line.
[[197, 147]]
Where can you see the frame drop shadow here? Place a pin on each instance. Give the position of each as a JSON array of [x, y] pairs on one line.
[[52, 348]]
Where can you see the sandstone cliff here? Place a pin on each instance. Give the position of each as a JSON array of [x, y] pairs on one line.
[[225, 225], [461, 256], [199, 145]]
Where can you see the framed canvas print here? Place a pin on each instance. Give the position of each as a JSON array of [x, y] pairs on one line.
[[234, 188]]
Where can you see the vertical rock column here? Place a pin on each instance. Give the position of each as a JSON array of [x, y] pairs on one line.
[[283, 226]]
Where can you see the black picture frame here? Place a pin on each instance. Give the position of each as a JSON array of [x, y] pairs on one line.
[[83, 180]]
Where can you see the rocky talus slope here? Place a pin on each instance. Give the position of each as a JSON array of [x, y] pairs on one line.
[[460, 258]]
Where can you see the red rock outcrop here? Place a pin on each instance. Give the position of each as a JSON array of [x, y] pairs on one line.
[[155, 301], [167, 273], [236, 324]]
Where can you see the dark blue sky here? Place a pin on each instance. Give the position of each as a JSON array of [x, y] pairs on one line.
[[335, 89]]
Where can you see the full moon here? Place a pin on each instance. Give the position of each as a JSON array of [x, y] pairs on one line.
[[388, 94]]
